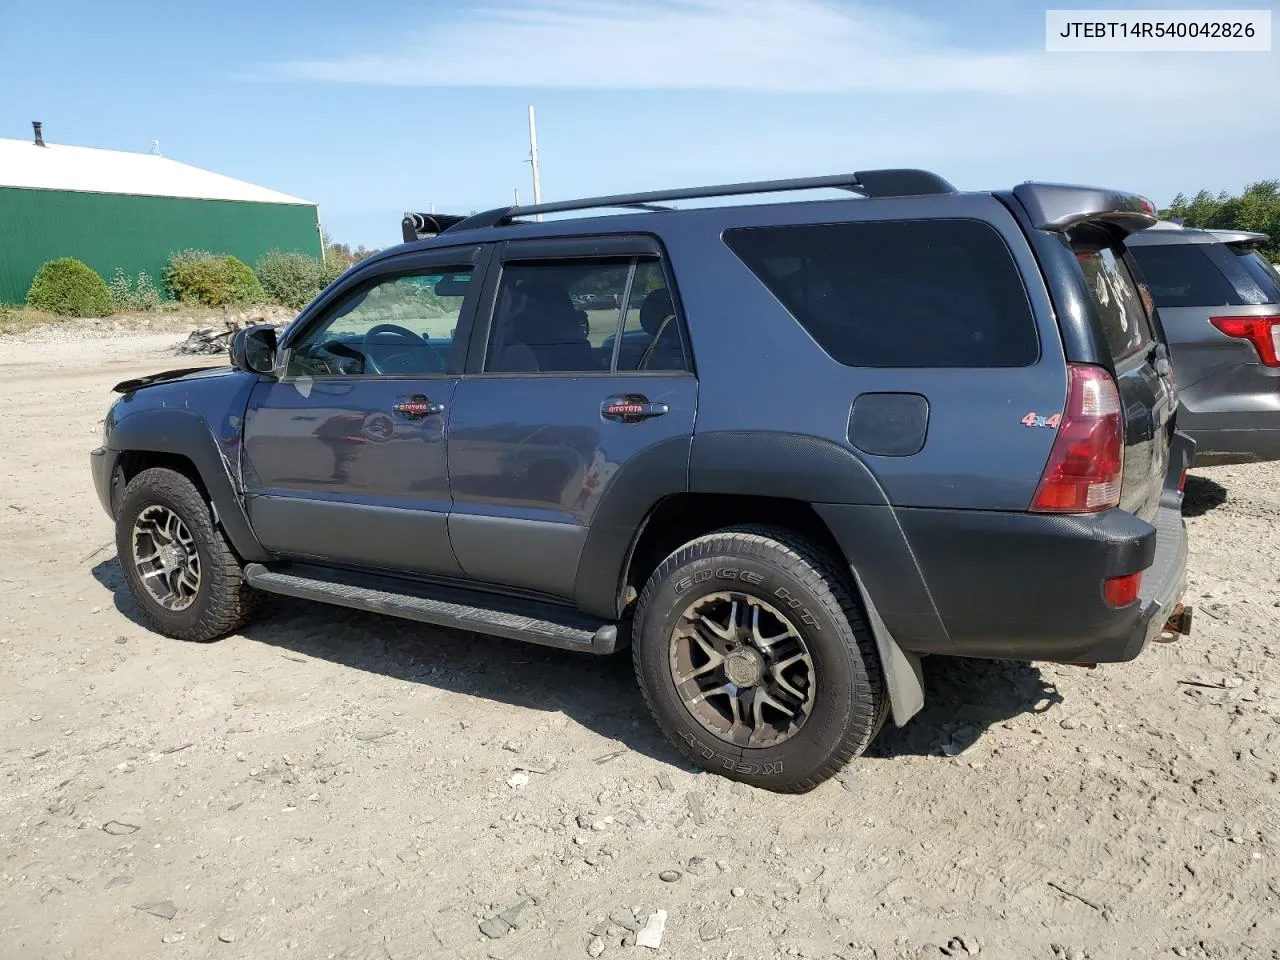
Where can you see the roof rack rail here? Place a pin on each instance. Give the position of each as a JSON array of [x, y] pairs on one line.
[[868, 183], [419, 226]]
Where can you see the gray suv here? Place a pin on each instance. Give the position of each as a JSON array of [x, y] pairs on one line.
[[783, 450], [1219, 302]]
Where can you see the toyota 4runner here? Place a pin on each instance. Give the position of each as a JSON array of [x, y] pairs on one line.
[[783, 450]]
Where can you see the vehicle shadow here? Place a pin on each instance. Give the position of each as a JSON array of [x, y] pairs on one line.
[[1202, 495], [962, 697]]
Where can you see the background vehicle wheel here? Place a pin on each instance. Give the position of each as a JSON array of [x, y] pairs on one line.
[[755, 658], [178, 566]]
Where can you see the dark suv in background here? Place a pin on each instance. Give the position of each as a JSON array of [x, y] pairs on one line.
[[1219, 303], [784, 450]]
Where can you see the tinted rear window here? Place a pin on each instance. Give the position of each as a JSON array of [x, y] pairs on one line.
[[1207, 275], [1117, 299], [906, 293]]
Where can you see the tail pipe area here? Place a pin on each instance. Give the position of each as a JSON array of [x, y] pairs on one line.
[[1178, 624]]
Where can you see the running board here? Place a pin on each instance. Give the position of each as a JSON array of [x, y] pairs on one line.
[[541, 623]]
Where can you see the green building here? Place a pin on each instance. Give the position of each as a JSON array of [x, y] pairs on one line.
[[132, 210]]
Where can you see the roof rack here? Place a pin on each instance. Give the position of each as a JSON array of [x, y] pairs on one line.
[[868, 183], [419, 226]]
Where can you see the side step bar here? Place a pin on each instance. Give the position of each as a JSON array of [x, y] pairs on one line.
[[499, 616]]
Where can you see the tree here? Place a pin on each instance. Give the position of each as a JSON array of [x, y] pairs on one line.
[[1257, 209]]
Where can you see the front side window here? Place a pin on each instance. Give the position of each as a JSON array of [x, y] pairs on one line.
[[584, 315], [397, 325], [908, 293]]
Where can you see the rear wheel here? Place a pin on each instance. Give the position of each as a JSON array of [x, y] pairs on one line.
[[755, 658], [179, 567]]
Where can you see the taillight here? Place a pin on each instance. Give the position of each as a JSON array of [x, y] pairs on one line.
[[1120, 591], [1262, 332], [1083, 473]]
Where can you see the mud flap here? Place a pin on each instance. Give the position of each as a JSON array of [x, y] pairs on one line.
[[903, 679]]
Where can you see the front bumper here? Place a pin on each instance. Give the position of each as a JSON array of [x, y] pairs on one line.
[[102, 464]]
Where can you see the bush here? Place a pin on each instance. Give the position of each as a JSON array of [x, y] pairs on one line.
[[291, 279], [139, 294], [197, 276], [71, 288]]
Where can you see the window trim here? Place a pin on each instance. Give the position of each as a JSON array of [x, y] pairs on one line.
[[588, 247], [416, 263]]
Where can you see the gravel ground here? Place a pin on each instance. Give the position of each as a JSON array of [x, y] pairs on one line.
[[335, 784]]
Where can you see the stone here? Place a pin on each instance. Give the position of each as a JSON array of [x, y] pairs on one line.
[[738, 892], [164, 909], [595, 947], [517, 780], [118, 829], [709, 931], [669, 876], [227, 936], [696, 866], [495, 928], [650, 935]]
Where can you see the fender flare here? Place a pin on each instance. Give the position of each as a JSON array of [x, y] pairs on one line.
[[187, 434]]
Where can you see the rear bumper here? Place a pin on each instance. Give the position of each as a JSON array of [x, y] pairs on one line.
[[1026, 586]]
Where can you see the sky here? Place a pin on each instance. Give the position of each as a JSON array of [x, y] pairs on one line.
[[370, 110]]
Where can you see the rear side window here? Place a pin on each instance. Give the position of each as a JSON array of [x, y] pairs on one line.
[[1117, 299], [905, 293], [1207, 275], [1261, 271]]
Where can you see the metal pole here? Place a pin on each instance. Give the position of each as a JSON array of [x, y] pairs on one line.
[[517, 196], [533, 155]]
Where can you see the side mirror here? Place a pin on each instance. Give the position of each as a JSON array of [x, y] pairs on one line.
[[253, 349]]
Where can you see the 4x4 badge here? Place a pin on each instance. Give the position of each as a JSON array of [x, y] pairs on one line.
[[1034, 419]]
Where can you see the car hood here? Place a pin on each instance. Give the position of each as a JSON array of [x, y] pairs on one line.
[[169, 376]]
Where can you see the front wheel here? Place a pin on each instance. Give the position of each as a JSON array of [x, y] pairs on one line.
[[177, 564], [755, 658]]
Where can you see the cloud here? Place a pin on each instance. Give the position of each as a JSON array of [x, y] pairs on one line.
[[774, 46]]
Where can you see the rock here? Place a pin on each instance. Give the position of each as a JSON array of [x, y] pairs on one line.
[[585, 820], [118, 829], [650, 935], [664, 783], [517, 780], [121, 881], [164, 909], [173, 937], [512, 914], [122, 639], [709, 931], [724, 866], [368, 736], [1232, 682], [738, 892], [495, 927], [696, 866], [961, 740], [1068, 723], [601, 929], [625, 919], [696, 809], [669, 876], [595, 947], [227, 936]]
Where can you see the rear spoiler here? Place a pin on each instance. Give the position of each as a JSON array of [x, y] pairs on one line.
[[1059, 207], [1244, 239], [420, 226]]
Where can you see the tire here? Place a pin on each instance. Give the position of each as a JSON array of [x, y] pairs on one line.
[[221, 601], [775, 571]]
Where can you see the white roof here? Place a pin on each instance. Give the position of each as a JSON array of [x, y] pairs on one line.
[[90, 170]]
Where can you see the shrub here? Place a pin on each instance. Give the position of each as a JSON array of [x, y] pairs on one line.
[[291, 279], [197, 276], [71, 288], [139, 294]]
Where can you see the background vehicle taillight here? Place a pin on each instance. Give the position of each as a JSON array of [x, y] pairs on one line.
[[1083, 473], [1262, 332]]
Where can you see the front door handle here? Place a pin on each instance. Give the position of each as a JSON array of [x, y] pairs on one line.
[[631, 408], [418, 407]]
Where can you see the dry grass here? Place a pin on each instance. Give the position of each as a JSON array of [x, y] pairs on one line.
[[17, 321]]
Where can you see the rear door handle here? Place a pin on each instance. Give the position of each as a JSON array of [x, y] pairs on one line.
[[631, 408], [418, 407]]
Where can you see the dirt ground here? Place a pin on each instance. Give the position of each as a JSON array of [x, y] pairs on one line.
[[333, 784]]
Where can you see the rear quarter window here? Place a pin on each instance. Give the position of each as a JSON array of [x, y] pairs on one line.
[[904, 293]]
